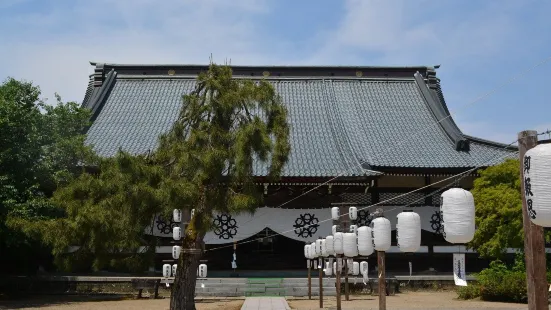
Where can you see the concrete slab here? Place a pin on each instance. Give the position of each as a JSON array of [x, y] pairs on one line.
[[265, 303]]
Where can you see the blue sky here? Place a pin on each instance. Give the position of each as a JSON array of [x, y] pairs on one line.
[[479, 44]]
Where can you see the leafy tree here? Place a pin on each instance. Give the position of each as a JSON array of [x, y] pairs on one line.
[[227, 130], [498, 210], [41, 146]]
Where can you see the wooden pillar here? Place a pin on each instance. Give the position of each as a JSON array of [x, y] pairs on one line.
[[382, 282], [309, 279], [320, 271], [346, 290], [534, 242], [338, 284]]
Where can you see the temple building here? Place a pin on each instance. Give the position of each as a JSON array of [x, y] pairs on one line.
[[367, 135]]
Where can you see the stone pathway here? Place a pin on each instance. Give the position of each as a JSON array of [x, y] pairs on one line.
[[265, 303]]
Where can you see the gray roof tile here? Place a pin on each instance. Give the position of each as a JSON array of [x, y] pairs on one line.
[[336, 125]]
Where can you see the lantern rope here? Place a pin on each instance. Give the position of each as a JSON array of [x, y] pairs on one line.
[[463, 174]]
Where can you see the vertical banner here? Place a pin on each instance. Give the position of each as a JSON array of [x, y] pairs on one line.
[[459, 272]]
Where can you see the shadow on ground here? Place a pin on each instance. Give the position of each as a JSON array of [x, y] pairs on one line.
[[44, 301]]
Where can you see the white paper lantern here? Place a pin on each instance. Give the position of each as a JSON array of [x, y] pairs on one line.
[[306, 249], [356, 268], [408, 231], [333, 229], [365, 242], [537, 184], [335, 267], [329, 240], [202, 271], [381, 234], [167, 270], [177, 215], [353, 213], [458, 215], [324, 251], [176, 251], [354, 229], [328, 269], [363, 267], [338, 243], [174, 268], [350, 245], [177, 233], [313, 251], [318, 248], [335, 213], [349, 265], [192, 212]]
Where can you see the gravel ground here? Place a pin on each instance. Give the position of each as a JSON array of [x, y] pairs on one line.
[[408, 300], [95, 304]]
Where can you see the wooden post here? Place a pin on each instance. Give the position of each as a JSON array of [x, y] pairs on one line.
[[309, 279], [534, 242], [382, 282], [320, 271], [338, 284], [346, 291]]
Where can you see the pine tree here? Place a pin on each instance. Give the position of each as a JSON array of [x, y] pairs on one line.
[[226, 126], [227, 132]]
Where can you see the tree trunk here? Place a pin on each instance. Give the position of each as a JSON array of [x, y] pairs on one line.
[[183, 290]]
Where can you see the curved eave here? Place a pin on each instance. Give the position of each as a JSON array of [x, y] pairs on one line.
[[492, 143]]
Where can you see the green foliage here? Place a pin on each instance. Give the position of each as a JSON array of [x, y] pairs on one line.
[[206, 162], [500, 282], [498, 210], [41, 146]]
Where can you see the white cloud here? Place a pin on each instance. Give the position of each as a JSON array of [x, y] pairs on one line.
[[124, 31]]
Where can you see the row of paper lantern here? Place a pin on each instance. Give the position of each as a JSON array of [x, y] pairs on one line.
[[458, 220], [177, 217], [170, 270], [354, 268]]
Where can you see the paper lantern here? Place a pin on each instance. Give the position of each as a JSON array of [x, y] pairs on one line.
[[324, 251], [177, 215], [333, 229], [365, 242], [335, 267], [408, 231], [350, 245], [329, 240], [177, 233], [176, 251], [313, 251], [318, 248], [381, 234], [174, 267], [356, 268], [306, 249], [328, 269], [353, 213], [349, 265], [363, 267], [537, 184], [202, 271], [458, 215], [338, 243], [192, 212], [166, 270], [354, 229], [335, 213]]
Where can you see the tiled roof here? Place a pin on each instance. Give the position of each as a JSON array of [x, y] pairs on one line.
[[339, 125]]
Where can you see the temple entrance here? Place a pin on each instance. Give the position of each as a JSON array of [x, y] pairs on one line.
[[266, 254]]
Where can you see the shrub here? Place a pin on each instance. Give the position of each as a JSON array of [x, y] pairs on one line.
[[469, 292]]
